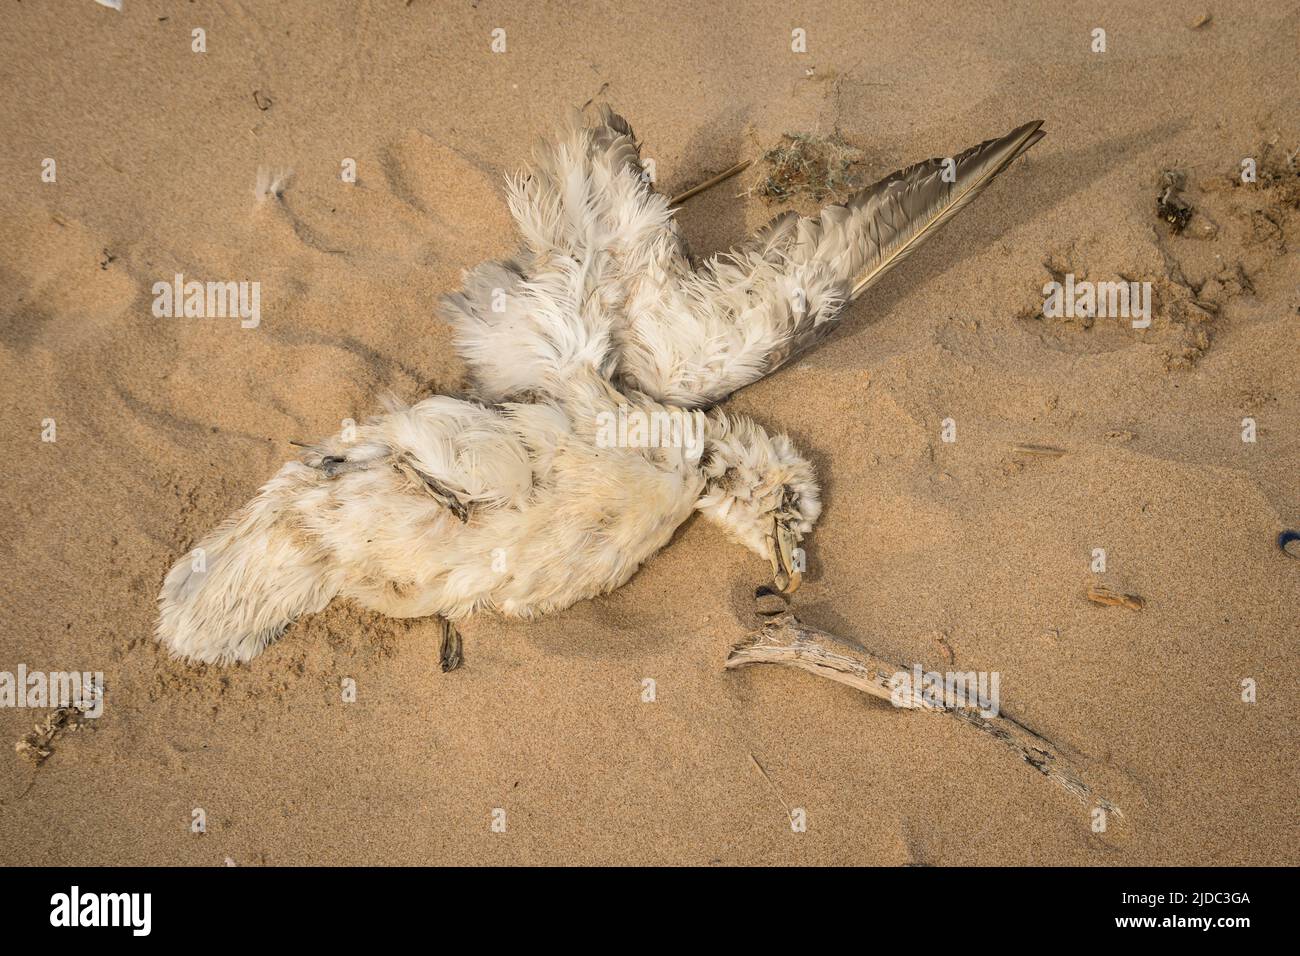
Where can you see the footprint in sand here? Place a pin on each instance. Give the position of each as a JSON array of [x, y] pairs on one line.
[[418, 200]]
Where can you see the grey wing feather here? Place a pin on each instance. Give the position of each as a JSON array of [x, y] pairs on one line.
[[701, 335], [885, 223], [909, 206]]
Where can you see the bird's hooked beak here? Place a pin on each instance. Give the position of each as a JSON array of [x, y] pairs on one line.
[[781, 542]]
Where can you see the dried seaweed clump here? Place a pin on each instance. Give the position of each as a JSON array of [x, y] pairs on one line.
[[806, 165], [37, 745]]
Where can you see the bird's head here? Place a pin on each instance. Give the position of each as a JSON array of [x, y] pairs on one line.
[[761, 491]]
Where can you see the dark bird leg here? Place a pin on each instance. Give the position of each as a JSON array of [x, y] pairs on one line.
[[450, 655]]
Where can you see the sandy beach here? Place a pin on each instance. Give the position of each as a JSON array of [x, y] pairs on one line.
[[1175, 447]]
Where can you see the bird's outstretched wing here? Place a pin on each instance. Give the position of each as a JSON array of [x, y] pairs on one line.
[[588, 215], [604, 279], [693, 337]]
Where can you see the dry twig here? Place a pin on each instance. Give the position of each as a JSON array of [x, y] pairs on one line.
[[784, 639]]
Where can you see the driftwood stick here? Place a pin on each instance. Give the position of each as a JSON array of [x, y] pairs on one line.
[[784, 639]]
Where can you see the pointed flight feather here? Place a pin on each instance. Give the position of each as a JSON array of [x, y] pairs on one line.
[[908, 207], [883, 224]]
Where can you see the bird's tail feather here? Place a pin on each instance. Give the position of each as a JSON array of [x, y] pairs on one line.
[[247, 579]]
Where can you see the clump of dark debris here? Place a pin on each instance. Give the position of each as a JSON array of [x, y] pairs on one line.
[[803, 164], [1170, 204]]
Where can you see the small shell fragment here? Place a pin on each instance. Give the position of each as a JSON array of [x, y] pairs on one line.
[[1100, 594]]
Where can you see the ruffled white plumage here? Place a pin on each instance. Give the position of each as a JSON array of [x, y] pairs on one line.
[[693, 336]]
